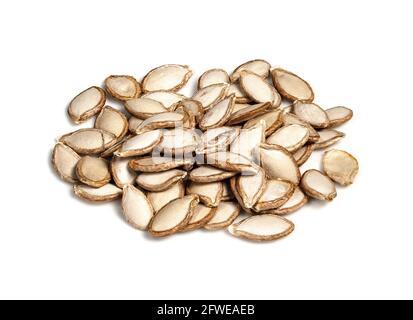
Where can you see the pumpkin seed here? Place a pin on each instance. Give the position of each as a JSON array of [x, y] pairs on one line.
[[160, 181], [258, 89], [108, 192], [272, 121], [162, 121], [167, 98], [202, 214], [328, 137], [210, 194], [311, 113], [338, 116], [86, 104], [64, 160], [134, 123], [250, 188], [212, 76], [240, 96], [113, 121], [205, 174], [190, 121], [225, 214], [259, 67], [317, 185], [178, 141], [264, 227], [296, 201], [143, 108], [121, 173], [248, 142], [109, 151], [227, 193], [291, 137], [123, 87], [231, 162], [192, 106], [340, 166], [275, 194], [210, 95], [234, 188], [162, 198], [248, 112], [171, 77], [218, 114], [140, 144], [217, 139], [93, 171], [136, 208], [291, 86], [88, 141], [173, 217], [156, 164], [289, 118], [302, 154]]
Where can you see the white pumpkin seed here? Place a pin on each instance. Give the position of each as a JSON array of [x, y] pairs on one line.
[[167, 98], [258, 89], [328, 137], [340, 166], [311, 113], [225, 214], [202, 214], [235, 191], [160, 181], [156, 164], [123, 87], [289, 118], [162, 198], [291, 86], [64, 160], [212, 76], [264, 227], [272, 121], [231, 162], [192, 106], [291, 137], [162, 121], [205, 174], [302, 154], [210, 194], [250, 188], [93, 171], [276, 193], [178, 141], [140, 144], [173, 217], [171, 77], [210, 95], [248, 112], [259, 67], [88, 141], [338, 116], [240, 96], [217, 139], [227, 192], [86, 104], [296, 201], [109, 151], [121, 173], [136, 208], [134, 123], [143, 108], [113, 121], [248, 141], [218, 114], [108, 192], [317, 185], [190, 121]]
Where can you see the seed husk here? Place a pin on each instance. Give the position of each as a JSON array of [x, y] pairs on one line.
[[291, 137], [88, 141], [160, 181], [272, 121], [121, 173], [205, 174], [340, 166], [113, 121], [328, 137], [291, 86], [225, 214], [258, 89], [162, 198], [162, 121], [227, 192], [217, 139], [338, 116], [86, 104], [240, 96], [218, 114], [210, 95], [317, 185], [296, 201], [136, 208], [190, 121], [157, 164], [140, 144], [202, 214], [248, 141], [178, 141], [108, 192], [93, 171], [192, 106], [64, 160], [171, 77], [311, 113], [234, 188], [144, 108], [231, 162], [173, 217], [210, 194], [123, 87], [250, 188], [212, 76], [279, 163], [276, 193], [258, 66], [302, 154], [289, 118], [167, 98], [134, 123], [265, 227], [248, 112], [109, 151]]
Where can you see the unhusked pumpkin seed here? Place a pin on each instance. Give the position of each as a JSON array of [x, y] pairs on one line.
[[259, 67], [162, 121], [136, 207], [338, 116], [231, 162], [171, 77], [317, 185], [210, 194], [202, 214], [275, 194], [328, 137], [248, 142], [240, 96], [167, 98], [311, 113], [272, 121], [212, 76], [340, 166], [121, 173], [205, 174], [134, 123], [235, 191], [302, 154], [123, 87], [88, 141], [64, 160], [93, 171], [251, 187], [113, 121], [211, 94], [258, 89], [173, 217], [156, 163], [247, 112], [217, 139], [160, 181], [159, 199], [289, 118], [109, 151], [178, 141], [291, 86], [108, 192], [291, 137], [296, 201], [225, 214], [218, 114], [140, 144], [143, 108], [192, 106], [265, 227], [86, 104]]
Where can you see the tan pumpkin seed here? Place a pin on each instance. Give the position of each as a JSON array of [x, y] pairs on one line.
[[171, 77], [231, 162], [259, 67], [178, 141], [140, 144], [136, 208], [311, 113], [291, 137], [123, 87], [192, 106], [212, 76], [248, 141], [276, 193], [227, 192], [108, 192], [202, 214], [173, 217], [291, 86], [248, 112], [156, 164], [266, 227], [160, 181], [302, 154], [240, 96], [272, 121], [340, 166], [210, 95], [218, 114], [235, 191], [167, 98], [93, 171], [296, 201], [225, 214], [86, 104], [162, 121], [143, 108], [289, 118], [210, 194], [134, 123], [64, 160], [250, 188], [328, 137], [113, 121], [88, 141], [258, 89], [205, 174], [338, 116], [317, 185], [217, 139], [278, 163], [121, 173], [162, 198], [190, 121], [109, 151]]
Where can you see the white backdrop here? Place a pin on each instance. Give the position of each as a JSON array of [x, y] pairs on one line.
[[354, 53]]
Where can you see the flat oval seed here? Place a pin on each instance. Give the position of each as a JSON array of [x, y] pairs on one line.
[[167, 98], [297, 200], [162, 198], [328, 137], [113, 121], [170, 77], [264, 227], [276, 193], [338, 115], [108, 192], [248, 112], [162, 121], [257, 89], [225, 214], [250, 188], [134, 123], [64, 160], [160, 181], [209, 194], [317, 185], [86, 104], [205, 174], [178, 141], [248, 141], [192, 106], [289, 118], [140, 144], [202, 214], [218, 114], [88, 141], [136, 208], [217, 139], [340, 166], [311, 113], [272, 121], [258, 66], [173, 217], [212, 76], [231, 162], [121, 173], [210, 95], [291, 137], [291, 86], [116, 146], [93, 171], [143, 108], [156, 164], [240, 96], [123, 87], [302, 154]]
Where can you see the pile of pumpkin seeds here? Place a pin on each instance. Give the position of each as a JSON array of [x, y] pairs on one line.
[[228, 157]]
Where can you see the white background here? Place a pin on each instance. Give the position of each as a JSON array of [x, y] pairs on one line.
[[354, 53]]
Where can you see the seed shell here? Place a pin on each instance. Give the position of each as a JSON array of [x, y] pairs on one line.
[[296, 201], [167, 98], [210, 194], [289, 118], [248, 141], [259, 67], [134, 123], [328, 137], [160, 181], [291, 137], [202, 214], [291, 86], [338, 116], [171, 77], [210, 95], [113, 121], [140, 144], [311, 113], [231, 162], [212, 76], [250, 188], [108, 192], [248, 112], [64, 161], [144, 108], [86, 104], [240, 96], [161, 198], [162, 121], [258, 89], [340, 166], [303, 154], [156, 164], [275, 194], [121, 173], [226, 213], [272, 121], [88, 141], [218, 114], [317, 185], [93, 171], [136, 208], [123, 87]]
